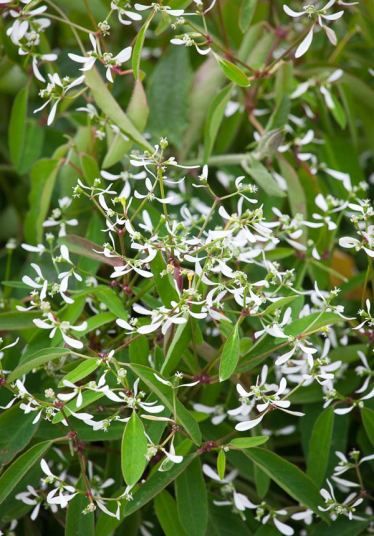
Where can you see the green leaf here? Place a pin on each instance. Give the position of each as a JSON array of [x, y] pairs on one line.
[[36, 360], [206, 80], [230, 355], [89, 397], [20, 467], [17, 320], [18, 431], [32, 147], [367, 416], [320, 446], [168, 95], [289, 477], [279, 304], [248, 442], [247, 10], [192, 500], [233, 72], [214, 119], [260, 174], [296, 194], [165, 394], [84, 369], [77, 523], [177, 347], [158, 481], [133, 450], [137, 112], [138, 46], [111, 108], [224, 522], [221, 464], [306, 325], [167, 514], [164, 283], [43, 178], [17, 126]]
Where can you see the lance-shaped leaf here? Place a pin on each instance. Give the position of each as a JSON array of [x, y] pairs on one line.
[[367, 415], [165, 394], [20, 467], [320, 446], [233, 72], [192, 500], [260, 174], [158, 481], [163, 281], [230, 355], [81, 371], [214, 119], [17, 432], [247, 11], [133, 450], [43, 178], [37, 360], [289, 477], [17, 320], [111, 108], [167, 514], [138, 46], [248, 442], [17, 126]]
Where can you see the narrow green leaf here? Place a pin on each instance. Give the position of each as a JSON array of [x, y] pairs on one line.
[[230, 355], [17, 320], [137, 112], [158, 481], [192, 500], [133, 450], [320, 446], [18, 431], [163, 280], [221, 464], [260, 174], [43, 178], [279, 304], [296, 194], [111, 108], [17, 126], [233, 72], [367, 416], [247, 10], [36, 360], [165, 394], [81, 371], [248, 442], [289, 477], [168, 91], [138, 46], [20, 467], [77, 523], [167, 514], [177, 347], [214, 119]]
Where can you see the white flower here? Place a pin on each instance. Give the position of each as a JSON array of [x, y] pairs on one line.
[[319, 15], [63, 327], [111, 62]]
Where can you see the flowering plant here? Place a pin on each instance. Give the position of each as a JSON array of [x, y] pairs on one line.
[[186, 300]]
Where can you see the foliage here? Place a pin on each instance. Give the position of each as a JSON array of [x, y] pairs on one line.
[[187, 267]]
